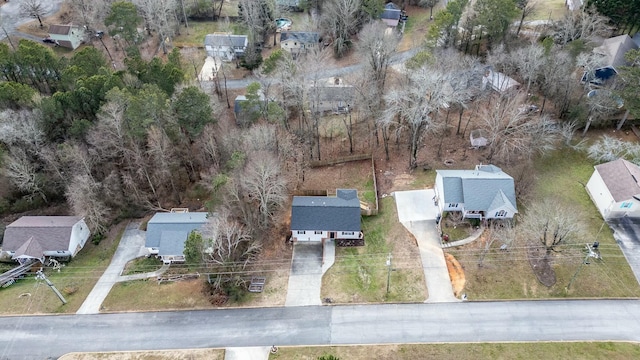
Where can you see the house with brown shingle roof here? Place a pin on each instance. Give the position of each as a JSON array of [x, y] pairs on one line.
[[68, 36], [37, 237], [613, 188]]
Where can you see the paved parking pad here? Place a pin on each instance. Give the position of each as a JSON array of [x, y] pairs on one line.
[[305, 279], [417, 212]]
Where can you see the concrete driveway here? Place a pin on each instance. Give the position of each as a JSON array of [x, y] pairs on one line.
[[305, 279], [626, 231], [417, 212], [131, 246]]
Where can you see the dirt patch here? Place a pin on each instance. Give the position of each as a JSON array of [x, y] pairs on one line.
[[456, 273], [202, 354], [540, 264]]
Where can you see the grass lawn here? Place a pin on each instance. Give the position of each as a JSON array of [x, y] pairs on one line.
[[544, 350], [148, 295], [508, 275], [194, 36], [142, 265], [360, 273], [549, 9], [75, 280]]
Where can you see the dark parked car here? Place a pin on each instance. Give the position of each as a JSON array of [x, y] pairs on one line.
[[48, 40]]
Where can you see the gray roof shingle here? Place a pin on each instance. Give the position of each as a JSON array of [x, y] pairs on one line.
[[305, 37], [483, 189], [225, 40], [327, 213], [52, 233], [169, 231], [621, 178]]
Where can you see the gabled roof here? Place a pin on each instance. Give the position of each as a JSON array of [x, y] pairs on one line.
[[483, 189], [391, 11], [172, 223], [613, 50], [621, 178], [60, 29], [225, 39], [52, 233], [498, 81], [305, 37], [329, 92], [327, 213], [30, 249]]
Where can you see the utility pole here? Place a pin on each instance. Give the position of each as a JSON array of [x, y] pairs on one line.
[[591, 252], [389, 257], [41, 276]]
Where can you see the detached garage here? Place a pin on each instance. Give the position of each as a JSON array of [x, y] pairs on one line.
[[614, 189]]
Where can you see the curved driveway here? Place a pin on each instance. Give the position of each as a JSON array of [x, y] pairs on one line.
[[38, 337]]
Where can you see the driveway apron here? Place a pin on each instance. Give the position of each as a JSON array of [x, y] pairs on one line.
[[417, 212], [130, 246], [305, 279], [626, 231]]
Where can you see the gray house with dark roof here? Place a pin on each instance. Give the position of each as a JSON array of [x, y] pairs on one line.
[[391, 14], [37, 237], [484, 193], [614, 189], [225, 46], [298, 42], [168, 232], [331, 95], [316, 218]]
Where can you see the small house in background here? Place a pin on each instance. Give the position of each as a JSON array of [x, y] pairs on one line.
[[331, 95], [37, 237], [614, 189], [299, 42], [486, 192], [225, 46], [478, 139], [499, 82], [246, 112], [391, 15], [612, 52], [573, 5], [317, 218], [168, 232], [290, 5], [68, 36]]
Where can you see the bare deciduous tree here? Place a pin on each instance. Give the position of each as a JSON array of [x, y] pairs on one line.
[[266, 185], [527, 7], [20, 128], [85, 197], [340, 19], [159, 16], [417, 102], [34, 9], [22, 172], [585, 25], [511, 133], [229, 247], [608, 148], [550, 225]]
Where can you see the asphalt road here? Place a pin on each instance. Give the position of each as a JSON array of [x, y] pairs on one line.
[[39, 337]]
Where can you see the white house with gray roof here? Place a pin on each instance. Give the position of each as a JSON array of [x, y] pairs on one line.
[[486, 192], [168, 232], [316, 218], [298, 42], [225, 46], [613, 188], [37, 237]]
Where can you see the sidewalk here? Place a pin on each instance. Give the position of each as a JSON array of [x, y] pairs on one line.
[[417, 212], [131, 246]]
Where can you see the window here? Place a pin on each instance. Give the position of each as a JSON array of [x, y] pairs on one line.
[[501, 213], [348, 233], [301, 232], [317, 232], [453, 205], [626, 205]]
